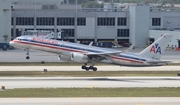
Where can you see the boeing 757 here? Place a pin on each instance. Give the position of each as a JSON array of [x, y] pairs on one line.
[[74, 52]]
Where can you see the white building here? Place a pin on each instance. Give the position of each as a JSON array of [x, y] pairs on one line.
[[124, 26], [5, 21]]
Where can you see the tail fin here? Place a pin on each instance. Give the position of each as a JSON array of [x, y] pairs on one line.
[[156, 49]]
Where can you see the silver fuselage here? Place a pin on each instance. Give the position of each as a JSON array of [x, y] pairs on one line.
[[66, 48]]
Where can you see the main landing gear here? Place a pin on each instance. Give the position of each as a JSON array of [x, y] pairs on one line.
[[89, 68], [27, 54]]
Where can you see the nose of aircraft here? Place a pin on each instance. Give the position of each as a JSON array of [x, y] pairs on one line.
[[11, 43]]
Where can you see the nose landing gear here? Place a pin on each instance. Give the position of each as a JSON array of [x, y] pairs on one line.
[[27, 57], [27, 54]]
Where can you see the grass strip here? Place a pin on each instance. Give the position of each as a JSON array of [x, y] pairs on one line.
[[85, 73], [92, 92]]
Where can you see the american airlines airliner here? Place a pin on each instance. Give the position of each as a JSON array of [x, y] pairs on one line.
[[74, 52]]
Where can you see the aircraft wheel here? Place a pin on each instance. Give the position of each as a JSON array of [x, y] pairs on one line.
[[87, 68], [91, 67], [27, 57], [94, 69], [83, 67]]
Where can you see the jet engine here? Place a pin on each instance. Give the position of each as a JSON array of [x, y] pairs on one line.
[[64, 58], [78, 57]]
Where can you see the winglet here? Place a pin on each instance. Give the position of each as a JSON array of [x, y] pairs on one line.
[[90, 44], [130, 48]]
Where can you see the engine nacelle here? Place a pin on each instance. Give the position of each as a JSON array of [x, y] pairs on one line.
[[78, 57], [64, 58]]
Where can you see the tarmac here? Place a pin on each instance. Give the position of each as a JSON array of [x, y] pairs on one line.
[[88, 82], [92, 101], [78, 68]]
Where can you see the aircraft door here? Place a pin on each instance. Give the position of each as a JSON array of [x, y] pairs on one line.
[[60, 47]]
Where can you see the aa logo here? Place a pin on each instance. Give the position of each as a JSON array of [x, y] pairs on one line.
[[156, 49]]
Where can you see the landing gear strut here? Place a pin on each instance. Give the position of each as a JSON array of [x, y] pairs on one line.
[[27, 54], [89, 68]]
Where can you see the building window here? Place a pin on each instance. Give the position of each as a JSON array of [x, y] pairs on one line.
[[156, 21], [103, 21], [27, 29], [45, 21], [40, 29], [67, 33], [18, 32], [122, 22], [65, 21], [81, 21], [46, 29], [12, 21], [24, 21], [12, 33], [123, 33]]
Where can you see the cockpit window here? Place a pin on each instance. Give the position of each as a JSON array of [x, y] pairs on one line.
[[18, 38]]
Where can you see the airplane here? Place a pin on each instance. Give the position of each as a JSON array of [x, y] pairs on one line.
[[74, 52]]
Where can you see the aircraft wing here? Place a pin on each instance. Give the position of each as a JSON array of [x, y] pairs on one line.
[[104, 53], [102, 56], [110, 53]]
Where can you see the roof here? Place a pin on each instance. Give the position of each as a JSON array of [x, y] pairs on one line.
[[46, 6]]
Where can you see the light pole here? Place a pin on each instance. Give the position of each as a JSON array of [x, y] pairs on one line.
[[34, 14], [75, 38]]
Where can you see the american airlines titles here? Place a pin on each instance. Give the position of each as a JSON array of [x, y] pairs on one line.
[[45, 40]]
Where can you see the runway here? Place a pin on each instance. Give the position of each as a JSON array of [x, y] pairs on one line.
[[92, 101], [88, 82], [78, 68]]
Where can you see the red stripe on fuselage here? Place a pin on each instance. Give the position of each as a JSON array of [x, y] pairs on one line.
[[125, 59], [49, 46]]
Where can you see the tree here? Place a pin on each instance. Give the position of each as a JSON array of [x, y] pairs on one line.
[[79, 1], [5, 37], [83, 2], [92, 4]]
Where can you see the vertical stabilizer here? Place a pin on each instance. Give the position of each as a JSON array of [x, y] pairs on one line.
[[156, 49]]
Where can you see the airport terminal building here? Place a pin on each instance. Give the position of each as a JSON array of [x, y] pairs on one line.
[[139, 24]]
